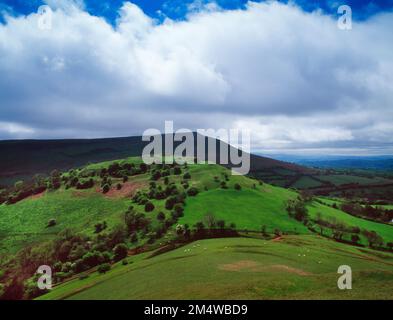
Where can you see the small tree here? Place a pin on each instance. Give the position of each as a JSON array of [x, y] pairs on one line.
[[355, 238], [51, 223], [149, 206], [103, 268], [105, 188], [120, 251], [192, 191], [161, 216], [187, 175]]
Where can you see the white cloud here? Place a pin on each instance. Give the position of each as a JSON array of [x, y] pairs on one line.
[[293, 77]]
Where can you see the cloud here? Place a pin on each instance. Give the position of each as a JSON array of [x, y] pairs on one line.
[[293, 77]]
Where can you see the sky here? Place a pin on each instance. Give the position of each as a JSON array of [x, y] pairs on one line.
[[282, 69]]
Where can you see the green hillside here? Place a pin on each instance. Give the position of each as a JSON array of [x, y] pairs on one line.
[[296, 267], [96, 215], [248, 209]]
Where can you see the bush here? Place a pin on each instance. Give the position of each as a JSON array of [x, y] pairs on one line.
[[118, 186], [161, 216], [192, 191], [105, 188], [100, 227], [103, 268], [237, 186], [124, 262], [134, 237], [120, 252], [149, 206], [51, 223], [355, 238], [92, 259], [187, 175]]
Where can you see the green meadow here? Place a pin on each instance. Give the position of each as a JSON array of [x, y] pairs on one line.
[[295, 267], [300, 264]]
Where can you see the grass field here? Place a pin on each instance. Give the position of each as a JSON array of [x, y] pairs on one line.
[[345, 179], [306, 182], [296, 267], [248, 209], [384, 230], [25, 222]]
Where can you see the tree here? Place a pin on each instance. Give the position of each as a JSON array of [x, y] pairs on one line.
[[135, 221], [100, 227], [134, 237], [220, 224], [51, 223], [105, 188], [91, 259], [210, 220], [180, 229], [187, 175], [161, 216], [120, 251], [192, 191], [355, 238], [374, 239], [149, 206], [103, 268], [179, 209]]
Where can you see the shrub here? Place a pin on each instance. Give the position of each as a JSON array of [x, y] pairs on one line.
[[161, 216], [103, 268], [118, 186], [120, 252], [134, 237], [105, 188], [178, 207], [124, 262], [192, 191], [187, 175], [355, 238], [51, 223], [149, 206], [237, 186], [100, 226], [91, 259]]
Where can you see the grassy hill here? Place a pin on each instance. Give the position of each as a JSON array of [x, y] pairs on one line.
[[21, 159], [295, 267], [243, 205]]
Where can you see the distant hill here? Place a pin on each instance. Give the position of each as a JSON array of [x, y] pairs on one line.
[[21, 159], [384, 163]]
